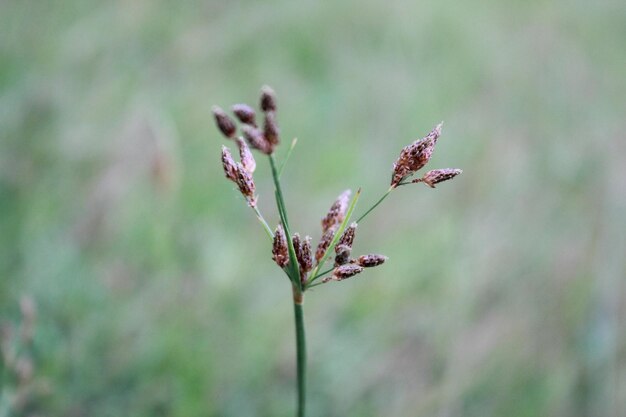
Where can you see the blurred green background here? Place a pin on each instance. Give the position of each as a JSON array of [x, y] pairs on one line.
[[152, 282]]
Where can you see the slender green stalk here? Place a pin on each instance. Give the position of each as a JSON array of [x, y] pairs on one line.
[[320, 274], [266, 227], [300, 354], [297, 294], [375, 205], [282, 166], [280, 202]]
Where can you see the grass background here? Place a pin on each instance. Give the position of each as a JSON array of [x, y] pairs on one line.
[[504, 294]]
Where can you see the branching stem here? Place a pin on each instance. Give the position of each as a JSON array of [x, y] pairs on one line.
[[375, 205], [266, 227]]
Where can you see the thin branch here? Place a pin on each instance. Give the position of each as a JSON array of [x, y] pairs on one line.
[[266, 227], [282, 166]]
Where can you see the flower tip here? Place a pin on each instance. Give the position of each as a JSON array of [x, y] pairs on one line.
[[268, 99], [224, 123], [245, 114], [437, 129]]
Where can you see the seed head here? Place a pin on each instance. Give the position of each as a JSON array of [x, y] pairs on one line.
[[230, 168], [347, 238], [305, 259], [256, 139], [371, 260], [342, 256], [325, 240], [345, 271], [247, 160], [303, 253], [245, 182], [413, 157], [270, 129], [337, 211], [268, 99], [280, 253], [225, 124], [245, 114], [438, 175]]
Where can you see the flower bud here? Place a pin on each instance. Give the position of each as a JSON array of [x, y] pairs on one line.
[[438, 175], [225, 124], [245, 114], [370, 260], [268, 99]]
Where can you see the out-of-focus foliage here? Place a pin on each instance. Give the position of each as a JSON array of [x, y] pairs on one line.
[[504, 293]]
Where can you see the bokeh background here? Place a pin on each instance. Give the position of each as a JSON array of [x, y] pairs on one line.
[[134, 281]]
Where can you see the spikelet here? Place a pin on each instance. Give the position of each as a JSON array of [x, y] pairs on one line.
[[305, 259], [225, 124], [345, 271], [368, 261], [270, 129], [342, 254], [303, 253], [255, 139], [280, 252], [438, 175], [347, 238], [245, 182], [337, 211], [325, 240], [268, 99], [343, 249], [247, 160], [245, 114], [413, 157], [230, 168]]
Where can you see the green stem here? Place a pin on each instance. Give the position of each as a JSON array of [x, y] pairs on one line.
[[375, 205], [282, 166], [320, 274], [280, 202], [267, 228], [300, 352], [298, 296]]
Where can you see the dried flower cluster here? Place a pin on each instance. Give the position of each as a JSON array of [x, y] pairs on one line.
[[292, 253], [239, 172], [438, 175], [412, 158], [263, 140]]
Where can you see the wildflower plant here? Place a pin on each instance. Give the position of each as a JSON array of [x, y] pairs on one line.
[[293, 253]]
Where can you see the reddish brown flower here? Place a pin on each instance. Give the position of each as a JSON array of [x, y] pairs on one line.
[[247, 160], [256, 139], [268, 99], [280, 252], [245, 114], [325, 240], [414, 156], [347, 238], [303, 253], [438, 175], [270, 129], [342, 254], [345, 271], [225, 124], [245, 182], [370, 260], [230, 167], [337, 211]]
